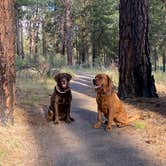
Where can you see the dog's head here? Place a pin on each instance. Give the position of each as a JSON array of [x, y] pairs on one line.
[[63, 80], [103, 82]]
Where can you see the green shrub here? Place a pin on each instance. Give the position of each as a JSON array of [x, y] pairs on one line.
[[57, 61]]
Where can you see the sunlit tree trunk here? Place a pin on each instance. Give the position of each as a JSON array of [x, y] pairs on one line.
[[68, 32], [18, 33], [21, 40], [35, 32], [134, 55], [7, 59], [30, 37]]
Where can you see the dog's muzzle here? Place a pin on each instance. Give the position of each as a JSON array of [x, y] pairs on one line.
[[96, 86]]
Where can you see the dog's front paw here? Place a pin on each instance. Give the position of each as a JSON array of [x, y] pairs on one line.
[[56, 122], [108, 128], [68, 120], [120, 125], [72, 119], [97, 125]]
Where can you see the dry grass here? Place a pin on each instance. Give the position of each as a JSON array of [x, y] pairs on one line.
[[10, 146]]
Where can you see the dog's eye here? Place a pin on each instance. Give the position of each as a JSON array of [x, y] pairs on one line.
[[98, 78]]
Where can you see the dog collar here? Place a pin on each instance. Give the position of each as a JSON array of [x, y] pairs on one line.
[[106, 94], [62, 92]]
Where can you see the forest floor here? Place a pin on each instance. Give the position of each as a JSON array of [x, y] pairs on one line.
[[33, 141]]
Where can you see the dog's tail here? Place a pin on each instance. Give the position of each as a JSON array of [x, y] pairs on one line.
[[133, 118]]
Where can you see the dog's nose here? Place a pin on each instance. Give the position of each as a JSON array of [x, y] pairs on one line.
[[94, 81]]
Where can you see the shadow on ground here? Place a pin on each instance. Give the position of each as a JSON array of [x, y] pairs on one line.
[[157, 105]]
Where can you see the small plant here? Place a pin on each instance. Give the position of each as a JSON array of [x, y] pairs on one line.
[[139, 125], [2, 156], [57, 61]]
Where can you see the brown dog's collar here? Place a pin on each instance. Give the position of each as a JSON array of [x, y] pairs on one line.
[[62, 92]]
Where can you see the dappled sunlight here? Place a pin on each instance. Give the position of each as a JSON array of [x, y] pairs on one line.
[[85, 76], [83, 98], [161, 89], [83, 84], [88, 81]]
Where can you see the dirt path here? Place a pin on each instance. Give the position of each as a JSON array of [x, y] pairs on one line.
[[78, 144]]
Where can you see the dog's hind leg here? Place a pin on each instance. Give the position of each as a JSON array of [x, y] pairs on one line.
[[56, 114]]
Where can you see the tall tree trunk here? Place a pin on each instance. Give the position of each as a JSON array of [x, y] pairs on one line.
[[18, 33], [163, 50], [44, 43], [164, 59], [68, 32], [94, 54], [30, 37], [134, 63], [83, 53], [7, 59], [35, 32], [33, 37], [22, 40], [62, 34], [77, 50], [155, 59]]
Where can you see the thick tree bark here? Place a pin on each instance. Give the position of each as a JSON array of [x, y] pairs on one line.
[[7, 59], [18, 33], [135, 78], [68, 32]]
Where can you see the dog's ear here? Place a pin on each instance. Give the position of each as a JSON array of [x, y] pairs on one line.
[[110, 84], [68, 76], [56, 77]]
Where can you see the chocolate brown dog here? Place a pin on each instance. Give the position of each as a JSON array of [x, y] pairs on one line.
[[61, 98], [109, 104]]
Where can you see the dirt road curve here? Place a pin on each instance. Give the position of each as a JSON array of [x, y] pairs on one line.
[[78, 144]]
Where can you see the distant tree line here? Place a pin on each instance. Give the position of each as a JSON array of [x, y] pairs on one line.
[[81, 32]]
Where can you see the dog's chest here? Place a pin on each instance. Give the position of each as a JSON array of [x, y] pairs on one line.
[[102, 103], [63, 99]]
